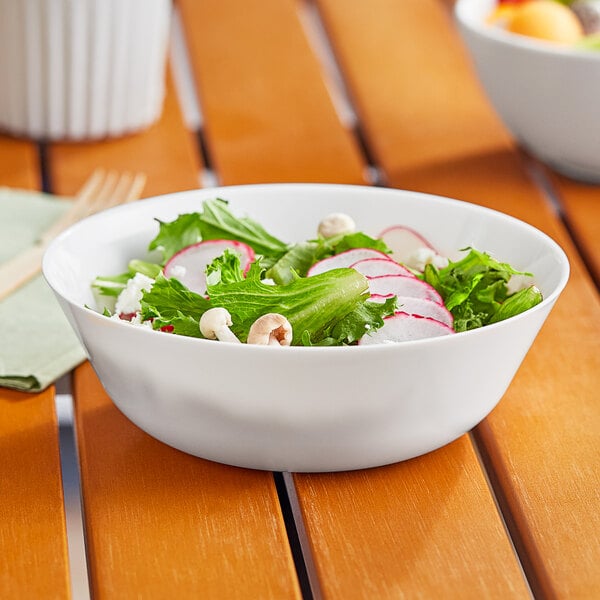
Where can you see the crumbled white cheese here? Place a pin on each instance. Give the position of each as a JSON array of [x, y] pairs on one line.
[[136, 320], [128, 301], [424, 256]]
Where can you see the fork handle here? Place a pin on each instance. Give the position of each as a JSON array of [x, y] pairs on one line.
[[20, 269]]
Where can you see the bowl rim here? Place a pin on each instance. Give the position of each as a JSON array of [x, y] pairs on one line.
[[547, 301], [514, 40]]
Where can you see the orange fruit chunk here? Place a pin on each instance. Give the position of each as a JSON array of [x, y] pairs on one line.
[[546, 20]]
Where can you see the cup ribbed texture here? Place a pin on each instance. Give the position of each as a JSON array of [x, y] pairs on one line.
[[81, 69]]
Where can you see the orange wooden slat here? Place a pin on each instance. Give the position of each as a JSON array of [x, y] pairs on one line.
[[581, 204], [33, 539], [32, 521], [164, 524], [159, 523], [441, 136], [344, 539], [19, 164], [424, 528], [269, 115]]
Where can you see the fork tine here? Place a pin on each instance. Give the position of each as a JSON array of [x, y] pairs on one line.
[[104, 197], [135, 190], [119, 190], [100, 191], [79, 207]]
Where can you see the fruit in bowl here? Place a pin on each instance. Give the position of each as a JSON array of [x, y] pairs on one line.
[[300, 403], [541, 75], [574, 22]]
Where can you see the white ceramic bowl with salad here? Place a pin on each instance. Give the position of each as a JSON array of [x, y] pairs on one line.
[[310, 406], [546, 93]]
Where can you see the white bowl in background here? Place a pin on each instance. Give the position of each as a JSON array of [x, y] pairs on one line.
[[547, 95], [303, 408], [82, 69]]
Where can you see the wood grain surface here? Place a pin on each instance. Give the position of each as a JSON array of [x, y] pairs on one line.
[[33, 544], [347, 539], [423, 528], [19, 164], [542, 441], [269, 115], [163, 524], [33, 538], [160, 523], [580, 205]]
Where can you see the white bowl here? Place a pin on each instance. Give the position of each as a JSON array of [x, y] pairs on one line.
[[303, 408], [547, 95]]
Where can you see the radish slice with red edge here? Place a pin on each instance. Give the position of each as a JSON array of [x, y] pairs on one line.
[[402, 327], [345, 259], [189, 264], [404, 241], [375, 267], [401, 285], [424, 308]]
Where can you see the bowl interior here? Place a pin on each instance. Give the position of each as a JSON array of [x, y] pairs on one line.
[[104, 243]]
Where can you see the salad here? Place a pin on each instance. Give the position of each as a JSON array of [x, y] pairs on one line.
[[224, 277], [574, 23]]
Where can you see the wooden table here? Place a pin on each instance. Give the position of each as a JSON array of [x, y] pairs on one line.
[[510, 509]]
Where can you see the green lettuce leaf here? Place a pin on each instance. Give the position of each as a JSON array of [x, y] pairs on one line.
[[475, 290], [215, 222], [517, 303], [218, 222], [315, 305], [115, 284], [169, 304], [175, 235], [300, 257], [226, 268], [296, 261], [349, 241]]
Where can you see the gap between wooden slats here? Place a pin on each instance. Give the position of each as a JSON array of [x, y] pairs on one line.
[[580, 209], [439, 135], [342, 544], [33, 535], [160, 523]]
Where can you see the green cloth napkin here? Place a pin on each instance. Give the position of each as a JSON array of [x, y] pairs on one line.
[[37, 344]]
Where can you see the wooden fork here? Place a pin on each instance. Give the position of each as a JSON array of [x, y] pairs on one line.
[[102, 190]]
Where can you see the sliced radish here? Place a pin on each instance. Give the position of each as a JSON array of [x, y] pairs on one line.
[[403, 241], [189, 265], [381, 298], [400, 285], [425, 308], [402, 327], [375, 267], [345, 259]]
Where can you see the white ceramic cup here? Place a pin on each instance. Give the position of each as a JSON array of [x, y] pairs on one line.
[[81, 69]]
